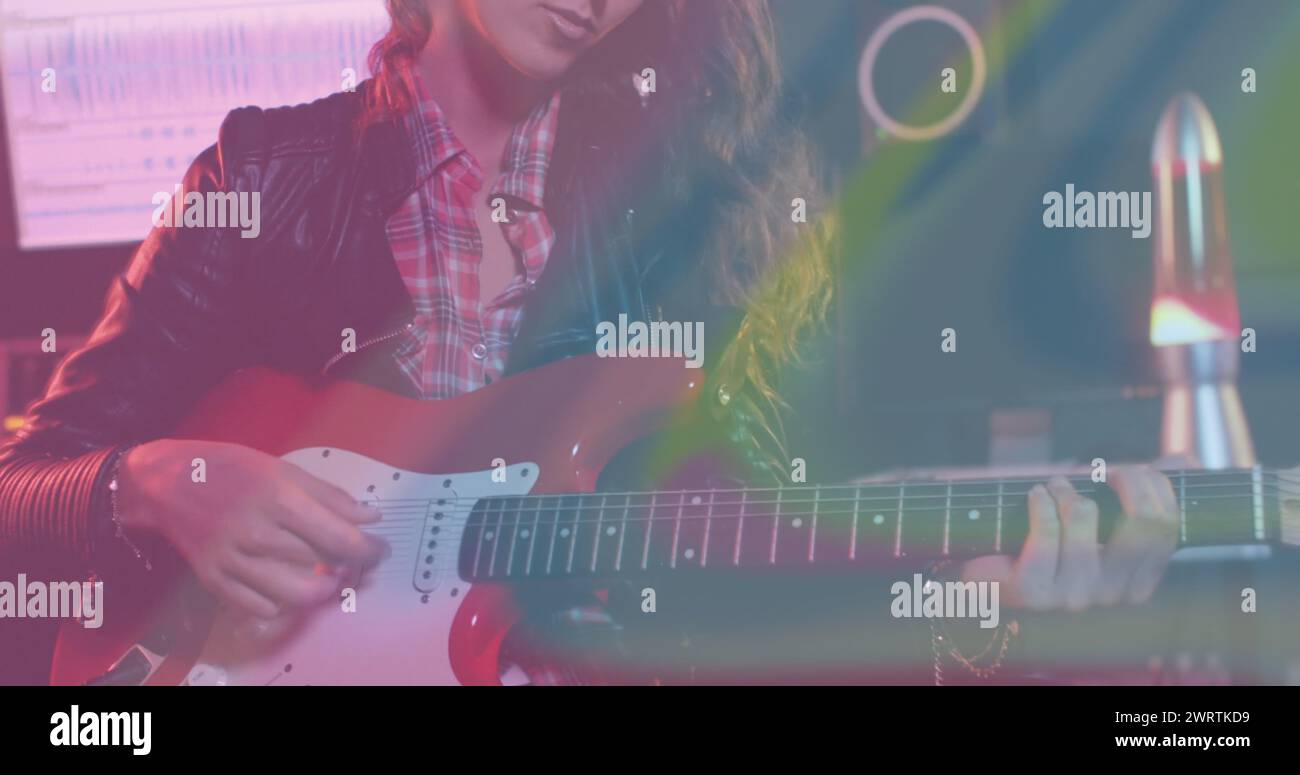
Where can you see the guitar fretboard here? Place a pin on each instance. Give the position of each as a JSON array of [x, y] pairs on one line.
[[613, 534]]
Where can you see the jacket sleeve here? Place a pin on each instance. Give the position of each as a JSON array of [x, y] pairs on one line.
[[172, 326]]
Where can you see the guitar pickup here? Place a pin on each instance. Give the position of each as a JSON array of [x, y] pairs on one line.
[[432, 555]]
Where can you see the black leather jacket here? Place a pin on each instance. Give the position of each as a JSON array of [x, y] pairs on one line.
[[198, 303]]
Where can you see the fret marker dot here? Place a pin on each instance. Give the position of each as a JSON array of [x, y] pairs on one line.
[[697, 500], [689, 554], [564, 532], [796, 522], [487, 536], [879, 519], [973, 514], [609, 531], [523, 533]]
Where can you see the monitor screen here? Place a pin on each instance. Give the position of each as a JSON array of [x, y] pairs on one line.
[[106, 104]]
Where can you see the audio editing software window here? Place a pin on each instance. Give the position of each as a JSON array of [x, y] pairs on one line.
[[106, 104]]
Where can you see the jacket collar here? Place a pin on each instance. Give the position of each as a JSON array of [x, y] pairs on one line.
[[386, 166], [398, 153]]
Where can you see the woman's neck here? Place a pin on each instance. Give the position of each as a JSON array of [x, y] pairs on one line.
[[482, 95]]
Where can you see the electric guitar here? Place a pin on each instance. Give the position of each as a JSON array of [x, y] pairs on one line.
[[495, 488]]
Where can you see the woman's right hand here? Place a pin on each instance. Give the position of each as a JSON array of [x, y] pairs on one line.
[[260, 533]]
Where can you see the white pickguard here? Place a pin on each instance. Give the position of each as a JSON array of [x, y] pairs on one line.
[[398, 633]]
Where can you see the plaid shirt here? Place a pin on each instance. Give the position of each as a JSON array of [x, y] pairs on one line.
[[459, 344]]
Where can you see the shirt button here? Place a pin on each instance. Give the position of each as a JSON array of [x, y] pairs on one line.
[[479, 351]]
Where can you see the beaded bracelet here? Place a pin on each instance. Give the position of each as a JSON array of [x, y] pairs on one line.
[[118, 530], [941, 641]]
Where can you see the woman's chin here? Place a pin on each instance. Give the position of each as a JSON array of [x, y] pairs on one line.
[[543, 66], [542, 74]]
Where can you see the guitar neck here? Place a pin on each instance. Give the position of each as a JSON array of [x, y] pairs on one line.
[[616, 534]]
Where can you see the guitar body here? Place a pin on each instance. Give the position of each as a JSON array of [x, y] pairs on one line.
[[425, 463]]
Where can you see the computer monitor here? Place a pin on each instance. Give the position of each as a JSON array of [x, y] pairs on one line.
[[106, 104]]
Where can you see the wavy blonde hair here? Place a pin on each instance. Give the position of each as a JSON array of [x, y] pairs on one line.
[[716, 69]]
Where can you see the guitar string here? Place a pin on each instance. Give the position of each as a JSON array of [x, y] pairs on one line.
[[420, 515], [518, 505], [1248, 490], [866, 486], [461, 521], [1183, 474], [896, 486]]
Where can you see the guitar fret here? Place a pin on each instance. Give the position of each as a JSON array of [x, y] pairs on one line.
[[708, 524], [478, 547], [649, 523], [1182, 507], [595, 545], [514, 540], [997, 540], [495, 537], [898, 533], [573, 537], [622, 532], [555, 530], [677, 529], [853, 531], [740, 528], [947, 517], [776, 524], [812, 533], [532, 538], [1257, 496]]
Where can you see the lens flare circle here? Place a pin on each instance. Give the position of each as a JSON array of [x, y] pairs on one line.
[[866, 87]]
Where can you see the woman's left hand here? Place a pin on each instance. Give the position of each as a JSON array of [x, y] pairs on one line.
[[1063, 567]]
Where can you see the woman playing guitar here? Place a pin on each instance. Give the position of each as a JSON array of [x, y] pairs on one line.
[[516, 173]]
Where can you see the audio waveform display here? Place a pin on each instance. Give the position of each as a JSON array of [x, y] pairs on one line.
[[107, 104]]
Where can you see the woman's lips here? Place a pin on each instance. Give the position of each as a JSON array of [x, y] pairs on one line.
[[569, 25]]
